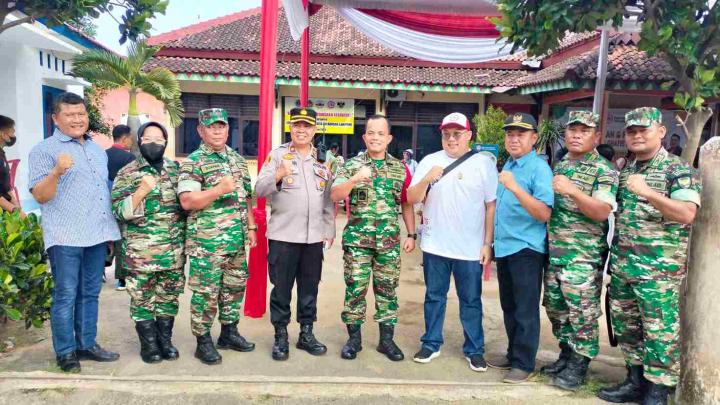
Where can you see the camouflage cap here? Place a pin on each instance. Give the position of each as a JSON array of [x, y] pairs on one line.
[[587, 118], [643, 117], [210, 116]]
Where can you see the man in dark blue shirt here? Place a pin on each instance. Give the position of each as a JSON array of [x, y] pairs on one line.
[[118, 156]]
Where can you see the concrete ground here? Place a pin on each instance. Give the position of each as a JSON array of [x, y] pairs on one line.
[[28, 373]]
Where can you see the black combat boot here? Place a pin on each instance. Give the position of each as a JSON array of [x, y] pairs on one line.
[[656, 394], [631, 390], [281, 347], [206, 352], [231, 339], [387, 346], [560, 363], [149, 348], [353, 344], [164, 332], [307, 341], [573, 375]]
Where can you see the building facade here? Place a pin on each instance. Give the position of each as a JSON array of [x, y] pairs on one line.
[[35, 65]]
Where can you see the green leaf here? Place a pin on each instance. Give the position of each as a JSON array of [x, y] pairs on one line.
[[666, 32], [39, 270], [13, 314], [706, 75]]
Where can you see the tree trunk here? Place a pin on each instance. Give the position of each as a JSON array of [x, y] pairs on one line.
[[699, 377], [694, 123], [134, 123], [133, 120]]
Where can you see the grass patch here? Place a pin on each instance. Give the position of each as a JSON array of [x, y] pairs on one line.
[[588, 390], [48, 391]]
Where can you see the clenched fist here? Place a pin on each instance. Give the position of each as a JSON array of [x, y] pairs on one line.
[[147, 183], [226, 185], [507, 179], [637, 185], [63, 164], [363, 175], [563, 185], [434, 175], [285, 169]]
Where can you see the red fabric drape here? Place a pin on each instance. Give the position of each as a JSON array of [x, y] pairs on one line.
[[256, 292], [452, 25]]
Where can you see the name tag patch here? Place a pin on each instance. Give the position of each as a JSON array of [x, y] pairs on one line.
[[210, 167]]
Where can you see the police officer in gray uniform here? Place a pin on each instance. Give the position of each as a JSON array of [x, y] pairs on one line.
[[302, 220]]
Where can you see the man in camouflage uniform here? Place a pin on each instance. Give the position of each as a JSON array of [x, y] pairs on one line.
[[376, 184], [585, 185], [658, 198], [215, 187], [146, 204]]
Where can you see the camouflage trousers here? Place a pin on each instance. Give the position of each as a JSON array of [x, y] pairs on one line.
[[216, 281], [572, 303], [646, 320], [384, 267], [154, 293]]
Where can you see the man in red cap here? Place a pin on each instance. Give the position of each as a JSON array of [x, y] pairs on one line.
[[459, 188]]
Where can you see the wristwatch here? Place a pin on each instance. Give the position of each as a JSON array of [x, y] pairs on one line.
[[252, 227], [412, 235]]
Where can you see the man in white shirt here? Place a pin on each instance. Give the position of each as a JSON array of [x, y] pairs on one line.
[[458, 218]]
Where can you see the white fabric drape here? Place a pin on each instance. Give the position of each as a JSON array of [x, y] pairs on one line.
[[297, 17], [419, 45], [463, 7]]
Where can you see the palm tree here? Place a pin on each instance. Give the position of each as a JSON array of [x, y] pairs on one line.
[[111, 71]]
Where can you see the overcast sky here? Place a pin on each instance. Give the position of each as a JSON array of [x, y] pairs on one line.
[[180, 13]]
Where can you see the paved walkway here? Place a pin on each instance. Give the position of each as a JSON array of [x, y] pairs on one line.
[[28, 374]]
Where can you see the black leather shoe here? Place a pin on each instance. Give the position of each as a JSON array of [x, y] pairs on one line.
[[231, 339], [281, 347], [559, 364], [656, 394], [205, 351], [68, 363], [97, 353], [631, 390], [354, 343], [387, 346], [574, 373], [149, 348], [164, 326], [308, 342]]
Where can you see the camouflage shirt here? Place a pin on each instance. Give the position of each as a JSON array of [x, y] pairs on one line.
[[572, 233], [646, 245], [154, 233], [373, 221], [220, 228]]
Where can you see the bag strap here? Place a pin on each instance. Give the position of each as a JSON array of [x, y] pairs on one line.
[[451, 167], [458, 162]]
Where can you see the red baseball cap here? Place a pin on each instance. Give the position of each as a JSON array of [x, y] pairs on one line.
[[455, 120]]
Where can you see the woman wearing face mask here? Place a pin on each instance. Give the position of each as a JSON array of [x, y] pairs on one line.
[[145, 200], [8, 202]]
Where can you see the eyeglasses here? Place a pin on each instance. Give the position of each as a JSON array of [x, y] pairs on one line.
[[452, 135]]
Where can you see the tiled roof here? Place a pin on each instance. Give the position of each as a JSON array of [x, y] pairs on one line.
[[347, 72], [571, 39], [330, 35], [333, 37], [626, 63]]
